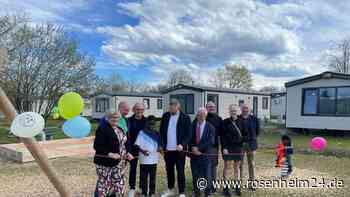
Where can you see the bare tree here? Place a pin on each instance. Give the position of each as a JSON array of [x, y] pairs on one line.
[[43, 63], [272, 89], [232, 76], [117, 83], [340, 57], [179, 76]]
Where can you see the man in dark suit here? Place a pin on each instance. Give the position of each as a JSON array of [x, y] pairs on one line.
[[175, 131], [250, 131], [202, 146]]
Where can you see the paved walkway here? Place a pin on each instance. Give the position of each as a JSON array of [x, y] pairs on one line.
[[53, 149]]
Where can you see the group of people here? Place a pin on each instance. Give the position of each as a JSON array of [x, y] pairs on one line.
[[121, 141]]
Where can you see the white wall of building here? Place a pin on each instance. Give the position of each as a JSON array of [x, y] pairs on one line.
[[278, 107], [294, 118]]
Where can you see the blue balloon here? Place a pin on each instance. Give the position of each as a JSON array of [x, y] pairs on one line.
[[77, 127]]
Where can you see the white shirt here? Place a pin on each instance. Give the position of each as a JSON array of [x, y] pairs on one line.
[[148, 144], [171, 136], [202, 125]]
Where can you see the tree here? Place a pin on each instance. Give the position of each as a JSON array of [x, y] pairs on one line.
[[117, 83], [232, 76], [43, 63], [340, 57], [179, 76]]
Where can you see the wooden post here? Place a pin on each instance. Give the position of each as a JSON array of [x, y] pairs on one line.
[[31, 144]]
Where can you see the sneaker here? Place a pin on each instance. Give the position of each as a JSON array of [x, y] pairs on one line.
[[182, 195], [131, 193], [168, 193]]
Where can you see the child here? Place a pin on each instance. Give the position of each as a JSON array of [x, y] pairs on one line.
[[148, 141], [284, 150]]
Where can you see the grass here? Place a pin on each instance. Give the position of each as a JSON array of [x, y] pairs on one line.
[[56, 125]]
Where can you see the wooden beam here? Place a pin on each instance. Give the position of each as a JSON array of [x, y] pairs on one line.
[[33, 147]]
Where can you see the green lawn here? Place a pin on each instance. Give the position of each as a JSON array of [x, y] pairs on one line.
[[56, 125]]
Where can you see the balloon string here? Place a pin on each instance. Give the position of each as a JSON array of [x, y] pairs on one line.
[[190, 152]]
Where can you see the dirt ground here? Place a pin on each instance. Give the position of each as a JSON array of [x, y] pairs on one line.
[[78, 173]]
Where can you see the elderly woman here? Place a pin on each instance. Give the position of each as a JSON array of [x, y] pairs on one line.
[[232, 146], [111, 157]]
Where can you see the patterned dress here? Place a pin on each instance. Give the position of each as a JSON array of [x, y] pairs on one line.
[[111, 180]]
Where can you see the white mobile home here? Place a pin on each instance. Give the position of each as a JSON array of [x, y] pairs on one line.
[[105, 102], [319, 102], [192, 97], [278, 106]]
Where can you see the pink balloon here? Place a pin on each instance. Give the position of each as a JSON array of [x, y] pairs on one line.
[[318, 144]]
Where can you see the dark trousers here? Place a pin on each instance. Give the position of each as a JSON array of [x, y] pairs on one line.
[[201, 168], [148, 171], [214, 165], [175, 159], [132, 173]]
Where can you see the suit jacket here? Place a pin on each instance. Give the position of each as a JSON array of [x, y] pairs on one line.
[[253, 131], [106, 141], [207, 142], [183, 130]]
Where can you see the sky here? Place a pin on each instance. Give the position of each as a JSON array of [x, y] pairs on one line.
[[143, 40]]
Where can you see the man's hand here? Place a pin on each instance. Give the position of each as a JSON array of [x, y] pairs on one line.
[[115, 156], [225, 151], [129, 157], [179, 148], [195, 151]]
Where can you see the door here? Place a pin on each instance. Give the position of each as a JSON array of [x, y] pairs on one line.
[[255, 106]]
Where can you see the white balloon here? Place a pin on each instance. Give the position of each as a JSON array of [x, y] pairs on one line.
[[27, 124]]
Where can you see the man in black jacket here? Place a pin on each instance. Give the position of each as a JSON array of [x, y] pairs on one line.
[[175, 131], [136, 123], [250, 131], [217, 122]]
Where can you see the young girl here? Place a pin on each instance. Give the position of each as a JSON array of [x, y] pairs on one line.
[[284, 150], [148, 141]]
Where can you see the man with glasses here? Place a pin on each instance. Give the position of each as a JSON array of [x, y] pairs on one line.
[[136, 123]]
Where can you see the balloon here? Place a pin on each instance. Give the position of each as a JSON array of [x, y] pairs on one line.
[[77, 127], [27, 124], [318, 144], [70, 105]]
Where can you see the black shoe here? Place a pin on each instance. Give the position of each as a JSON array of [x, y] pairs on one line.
[[238, 191], [227, 192], [252, 189], [196, 194]]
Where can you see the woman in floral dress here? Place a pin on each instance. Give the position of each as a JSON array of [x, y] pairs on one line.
[[111, 158]]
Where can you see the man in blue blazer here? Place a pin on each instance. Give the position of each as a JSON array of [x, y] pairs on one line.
[[202, 144]]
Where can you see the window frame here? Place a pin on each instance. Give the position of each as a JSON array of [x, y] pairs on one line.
[[318, 102], [184, 108], [106, 104], [159, 104], [267, 103], [148, 103]]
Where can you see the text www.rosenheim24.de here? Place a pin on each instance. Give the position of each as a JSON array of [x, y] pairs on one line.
[[202, 183]]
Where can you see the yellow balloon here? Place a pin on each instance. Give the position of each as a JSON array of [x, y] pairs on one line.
[[70, 105]]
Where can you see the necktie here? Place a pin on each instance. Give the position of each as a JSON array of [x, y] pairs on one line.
[[198, 134]]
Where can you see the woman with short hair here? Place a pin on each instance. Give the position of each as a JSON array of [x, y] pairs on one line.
[[111, 157], [232, 147]]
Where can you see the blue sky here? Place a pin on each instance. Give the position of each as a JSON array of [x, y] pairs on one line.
[[277, 40]]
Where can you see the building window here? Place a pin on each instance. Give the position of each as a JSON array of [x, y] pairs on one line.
[[310, 101], [265, 103], [343, 101], [102, 105], [326, 101], [146, 103], [240, 102], [215, 99], [186, 102], [159, 103]]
